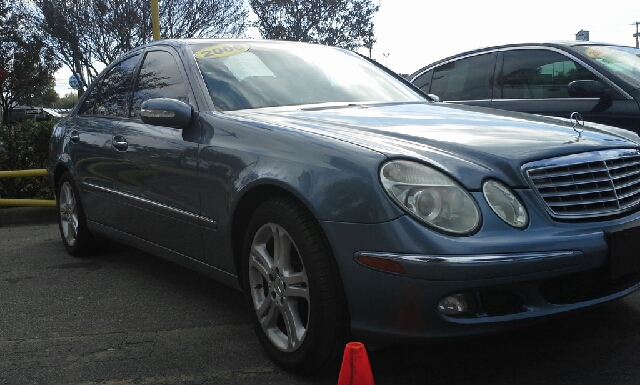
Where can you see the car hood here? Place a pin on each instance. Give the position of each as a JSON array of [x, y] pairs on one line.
[[469, 142]]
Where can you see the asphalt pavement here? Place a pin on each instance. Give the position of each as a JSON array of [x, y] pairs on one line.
[[126, 318], [22, 215]]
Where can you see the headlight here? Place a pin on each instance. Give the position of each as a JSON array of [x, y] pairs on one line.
[[430, 196], [505, 204]]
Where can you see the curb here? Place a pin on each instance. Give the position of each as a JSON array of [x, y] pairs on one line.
[[24, 215]]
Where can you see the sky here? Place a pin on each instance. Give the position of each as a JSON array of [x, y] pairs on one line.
[[413, 33]]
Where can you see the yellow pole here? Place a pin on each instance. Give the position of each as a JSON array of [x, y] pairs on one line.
[[27, 202], [23, 173], [155, 19]]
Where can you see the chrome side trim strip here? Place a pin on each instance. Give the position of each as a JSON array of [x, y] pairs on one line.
[[471, 259], [183, 215]]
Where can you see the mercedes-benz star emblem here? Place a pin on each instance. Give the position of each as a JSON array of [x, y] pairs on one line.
[[577, 122]]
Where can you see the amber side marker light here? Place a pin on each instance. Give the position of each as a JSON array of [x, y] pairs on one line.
[[381, 264]]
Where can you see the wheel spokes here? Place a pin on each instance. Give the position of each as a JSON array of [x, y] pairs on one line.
[[295, 330], [270, 319], [68, 214], [296, 285], [279, 287], [261, 260], [281, 249]]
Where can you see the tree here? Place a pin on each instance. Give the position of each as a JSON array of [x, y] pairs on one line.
[[68, 101], [27, 64], [46, 96], [202, 18], [67, 25], [84, 32], [121, 26], [341, 23]]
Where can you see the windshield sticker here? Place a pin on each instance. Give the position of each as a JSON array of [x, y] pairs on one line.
[[247, 64], [597, 52], [221, 50]]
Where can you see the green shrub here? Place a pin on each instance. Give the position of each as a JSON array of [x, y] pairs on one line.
[[23, 146]]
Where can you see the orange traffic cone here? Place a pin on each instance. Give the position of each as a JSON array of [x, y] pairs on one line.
[[355, 369]]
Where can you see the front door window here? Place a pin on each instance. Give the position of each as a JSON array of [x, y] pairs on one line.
[[539, 74]]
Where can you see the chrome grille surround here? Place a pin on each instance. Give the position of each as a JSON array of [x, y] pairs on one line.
[[590, 184]]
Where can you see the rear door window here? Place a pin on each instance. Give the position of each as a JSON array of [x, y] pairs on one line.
[[470, 78], [111, 96], [424, 81]]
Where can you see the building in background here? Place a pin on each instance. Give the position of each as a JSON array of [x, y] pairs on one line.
[[582, 35]]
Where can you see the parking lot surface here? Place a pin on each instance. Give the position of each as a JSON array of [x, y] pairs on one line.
[[125, 317]]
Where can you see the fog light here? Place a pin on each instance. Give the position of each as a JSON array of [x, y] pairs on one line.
[[457, 305]]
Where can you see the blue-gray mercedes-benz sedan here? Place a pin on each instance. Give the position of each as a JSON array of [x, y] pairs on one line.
[[341, 200]]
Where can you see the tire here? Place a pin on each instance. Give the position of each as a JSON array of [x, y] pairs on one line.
[[71, 219], [292, 288]]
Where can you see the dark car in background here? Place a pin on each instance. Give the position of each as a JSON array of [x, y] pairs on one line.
[[599, 81], [342, 201], [20, 113]]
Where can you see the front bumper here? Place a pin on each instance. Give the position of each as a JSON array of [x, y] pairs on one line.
[[514, 276]]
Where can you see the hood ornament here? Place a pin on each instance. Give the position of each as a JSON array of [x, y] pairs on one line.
[[577, 122]]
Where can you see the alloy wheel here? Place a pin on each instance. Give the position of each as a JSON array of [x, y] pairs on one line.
[[279, 287], [68, 214]]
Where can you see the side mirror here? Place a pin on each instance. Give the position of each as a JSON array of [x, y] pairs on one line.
[[166, 112], [585, 89], [434, 97]]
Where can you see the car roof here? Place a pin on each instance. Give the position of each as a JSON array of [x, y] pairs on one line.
[[183, 42], [562, 44]]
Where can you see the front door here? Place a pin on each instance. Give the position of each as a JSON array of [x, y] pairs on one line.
[[536, 81], [158, 172], [91, 146]]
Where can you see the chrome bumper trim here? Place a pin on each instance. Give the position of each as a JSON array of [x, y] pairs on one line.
[[471, 259]]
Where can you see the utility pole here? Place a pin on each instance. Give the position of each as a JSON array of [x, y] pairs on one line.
[[386, 59], [636, 35]]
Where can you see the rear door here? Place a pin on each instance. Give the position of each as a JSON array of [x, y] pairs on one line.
[[468, 80], [91, 146]]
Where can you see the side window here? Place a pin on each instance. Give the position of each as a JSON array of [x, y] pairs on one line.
[[424, 81], [539, 74], [465, 79], [111, 96], [159, 77], [89, 105]]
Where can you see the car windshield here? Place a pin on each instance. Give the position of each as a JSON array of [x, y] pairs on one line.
[[242, 75], [623, 61]]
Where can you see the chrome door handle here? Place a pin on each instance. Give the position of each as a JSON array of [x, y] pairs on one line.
[[120, 143], [74, 136]]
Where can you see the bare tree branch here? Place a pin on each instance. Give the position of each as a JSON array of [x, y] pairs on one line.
[[341, 23]]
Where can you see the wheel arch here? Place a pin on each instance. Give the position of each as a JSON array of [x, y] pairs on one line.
[[60, 169], [250, 200]]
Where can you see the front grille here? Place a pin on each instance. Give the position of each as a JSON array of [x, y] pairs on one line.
[[589, 184]]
